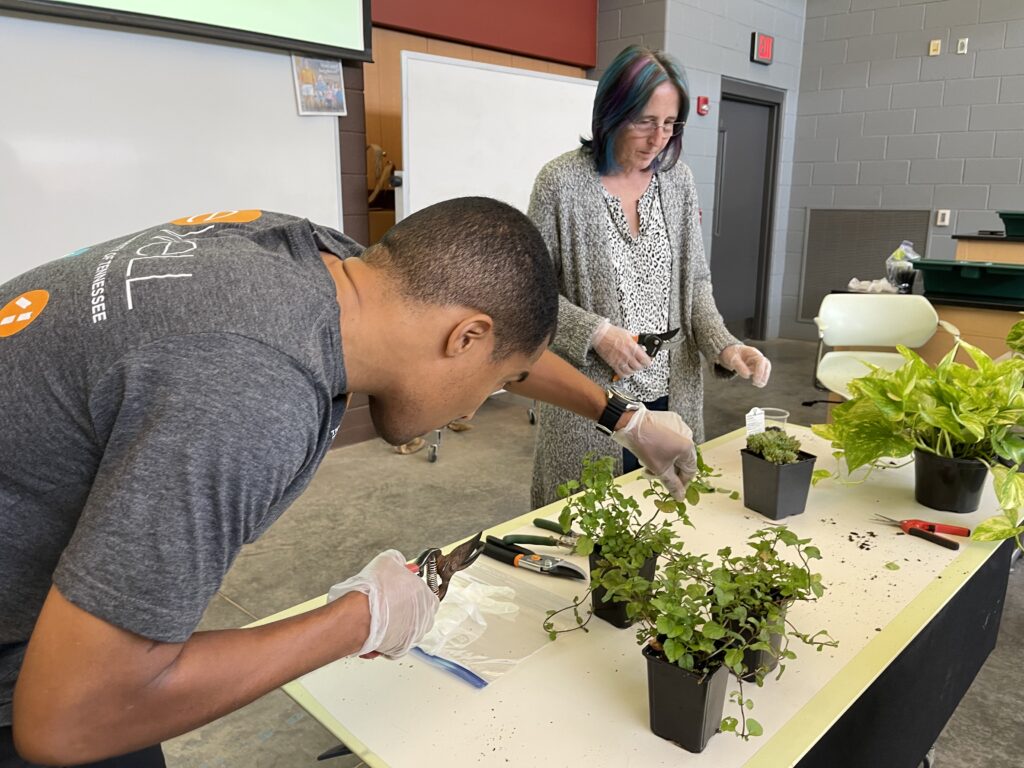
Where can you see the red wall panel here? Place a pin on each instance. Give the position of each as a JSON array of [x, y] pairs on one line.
[[557, 30]]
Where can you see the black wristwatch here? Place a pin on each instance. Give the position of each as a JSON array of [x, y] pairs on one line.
[[618, 404]]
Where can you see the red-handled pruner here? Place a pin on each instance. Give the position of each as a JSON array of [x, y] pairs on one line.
[[437, 569], [924, 529]]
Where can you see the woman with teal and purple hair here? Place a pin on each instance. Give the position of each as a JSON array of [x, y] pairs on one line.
[[621, 220]]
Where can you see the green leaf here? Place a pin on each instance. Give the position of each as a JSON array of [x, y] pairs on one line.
[[1015, 339], [892, 566], [692, 494], [713, 630], [754, 728], [820, 474], [1009, 486], [585, 545], [996, 529]]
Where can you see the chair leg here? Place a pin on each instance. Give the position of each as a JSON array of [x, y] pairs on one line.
[[434, 447]]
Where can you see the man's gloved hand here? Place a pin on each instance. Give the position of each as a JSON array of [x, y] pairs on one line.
[[746, 362], [663, 443], [619, 349], [402, 607]]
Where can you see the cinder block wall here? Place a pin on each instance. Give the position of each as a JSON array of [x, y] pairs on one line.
[[871, 121], [884, 125]]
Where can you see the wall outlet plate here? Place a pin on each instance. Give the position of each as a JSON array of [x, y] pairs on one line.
[[942, 218], [934, 47], [961, 46]]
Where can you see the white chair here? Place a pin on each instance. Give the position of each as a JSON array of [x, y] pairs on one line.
[[867, 320]]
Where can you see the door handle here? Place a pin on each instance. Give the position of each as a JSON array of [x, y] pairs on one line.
[[719, 176]]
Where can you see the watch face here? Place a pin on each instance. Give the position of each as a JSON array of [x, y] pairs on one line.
[[626, 399]]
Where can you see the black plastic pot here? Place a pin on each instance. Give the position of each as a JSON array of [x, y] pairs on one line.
[[753, 660], [684, 709], [613, 611], [949, 485], [776, 490]]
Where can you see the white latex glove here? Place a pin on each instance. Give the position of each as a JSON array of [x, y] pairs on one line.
[[663, 443], [402, 607], [747, 362], [619, 349]]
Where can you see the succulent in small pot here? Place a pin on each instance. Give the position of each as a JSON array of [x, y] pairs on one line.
[[776, 474]]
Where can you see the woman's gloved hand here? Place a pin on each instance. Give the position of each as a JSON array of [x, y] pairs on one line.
[[663, 443], [747, 362], [402, 607], [617, 347]]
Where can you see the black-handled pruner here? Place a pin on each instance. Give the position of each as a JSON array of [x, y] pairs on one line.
[[653, 343]]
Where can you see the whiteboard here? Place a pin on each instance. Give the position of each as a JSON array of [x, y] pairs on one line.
[[480, 129], [105, 132]]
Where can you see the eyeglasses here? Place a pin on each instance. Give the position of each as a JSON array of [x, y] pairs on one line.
[[648, 126]]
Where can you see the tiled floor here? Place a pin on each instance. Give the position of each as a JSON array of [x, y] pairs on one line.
[[366, 498]]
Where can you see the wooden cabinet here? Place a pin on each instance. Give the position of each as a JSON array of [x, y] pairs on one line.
[[985, 328], [982, 326]]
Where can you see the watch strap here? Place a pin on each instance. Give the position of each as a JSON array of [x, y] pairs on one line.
[[617, 405]]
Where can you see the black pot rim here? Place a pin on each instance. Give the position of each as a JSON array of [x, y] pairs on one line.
[[802, 456], [953, 460], [654, 655]]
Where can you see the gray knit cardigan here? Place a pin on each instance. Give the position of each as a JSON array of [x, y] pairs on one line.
[[569, 209]]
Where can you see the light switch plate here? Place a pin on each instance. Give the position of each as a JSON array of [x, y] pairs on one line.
[[961, 46], [942, 218], [934, 47]]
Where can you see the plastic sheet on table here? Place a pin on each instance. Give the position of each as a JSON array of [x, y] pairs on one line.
[[490, 621]]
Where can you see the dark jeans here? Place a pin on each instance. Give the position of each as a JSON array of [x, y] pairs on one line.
[[629, 461], [151, 757]]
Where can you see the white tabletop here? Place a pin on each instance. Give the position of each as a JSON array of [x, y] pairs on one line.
[[582, 700]]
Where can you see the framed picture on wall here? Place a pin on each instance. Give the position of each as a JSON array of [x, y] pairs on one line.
[[319, 87]]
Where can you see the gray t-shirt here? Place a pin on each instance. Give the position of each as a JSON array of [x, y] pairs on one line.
[[164, 397]]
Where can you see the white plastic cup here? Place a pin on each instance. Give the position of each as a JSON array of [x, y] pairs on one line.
[[775, 417]]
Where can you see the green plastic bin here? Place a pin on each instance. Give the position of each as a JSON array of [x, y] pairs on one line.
[[971, 279], [1013, 221]]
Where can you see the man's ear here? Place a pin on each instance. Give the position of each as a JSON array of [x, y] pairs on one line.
[[471, 332]]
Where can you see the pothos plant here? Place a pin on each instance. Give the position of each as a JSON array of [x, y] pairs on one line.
[[617, 527], [702, 613], [1009, 524], [950, 409]]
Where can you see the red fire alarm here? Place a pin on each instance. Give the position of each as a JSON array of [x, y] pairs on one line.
[[702, 105], [761, 48]]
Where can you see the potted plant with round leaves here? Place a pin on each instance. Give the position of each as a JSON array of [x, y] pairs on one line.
[[702, 618], [961, 422], [621, 540], [776, 474]]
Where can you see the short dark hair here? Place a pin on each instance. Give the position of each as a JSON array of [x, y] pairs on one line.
[[480, 253], [622, 92]]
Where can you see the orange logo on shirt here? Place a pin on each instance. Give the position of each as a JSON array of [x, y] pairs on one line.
[[220, 217], [19, 314]]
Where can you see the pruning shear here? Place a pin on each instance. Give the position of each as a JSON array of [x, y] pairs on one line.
[[923, 529], [437, 569], [653, 343], [567, 540], [521, 557]]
